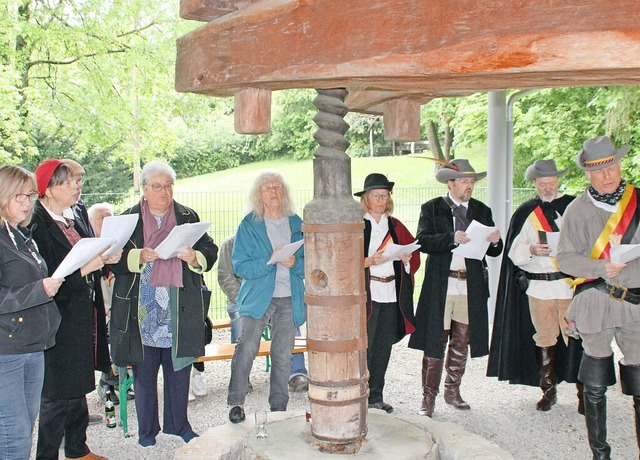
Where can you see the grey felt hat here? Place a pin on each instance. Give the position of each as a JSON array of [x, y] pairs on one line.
[[543, 168], [460, 169], [599, 153]]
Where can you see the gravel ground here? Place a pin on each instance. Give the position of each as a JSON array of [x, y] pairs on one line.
[[502, 413]]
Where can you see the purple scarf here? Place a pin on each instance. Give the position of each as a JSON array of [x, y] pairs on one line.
[[166, 273]]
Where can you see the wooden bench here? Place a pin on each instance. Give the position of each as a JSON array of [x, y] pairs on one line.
[[220, 351], [221, 323]]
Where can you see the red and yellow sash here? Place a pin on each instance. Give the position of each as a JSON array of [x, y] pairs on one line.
[[540, 222], [386, 242], [617, 224]]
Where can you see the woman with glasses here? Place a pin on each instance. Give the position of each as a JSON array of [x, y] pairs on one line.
[[389, 283], [159, 307], [81, 345], [29, 318], [269, 293]]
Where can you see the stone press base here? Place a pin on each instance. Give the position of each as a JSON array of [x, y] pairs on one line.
[[390, 437]]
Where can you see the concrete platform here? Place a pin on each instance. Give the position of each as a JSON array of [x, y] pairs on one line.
[[389, 437]]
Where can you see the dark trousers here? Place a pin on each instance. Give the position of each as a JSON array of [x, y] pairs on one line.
[[62, 418], [176, 394], [381, 330]]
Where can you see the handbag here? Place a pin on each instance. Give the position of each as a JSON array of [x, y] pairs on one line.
[[208, 325], [521, 280]]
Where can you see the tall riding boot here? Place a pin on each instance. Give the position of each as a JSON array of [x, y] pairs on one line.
[[431, 376], [456, 364], [630, 382], [580, 392], [596, 374], [548, 377]]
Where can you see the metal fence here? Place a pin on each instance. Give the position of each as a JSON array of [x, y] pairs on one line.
[[225, 210]]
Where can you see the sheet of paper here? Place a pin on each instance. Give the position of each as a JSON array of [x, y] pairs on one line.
[[624, 253], [552, 240], [81, 253], [394, 251], [286, 251], [180, 238], [120, 229], [477, 247]]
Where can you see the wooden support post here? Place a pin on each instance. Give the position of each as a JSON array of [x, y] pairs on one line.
[[335, 291], [252, 111], [402, 120]]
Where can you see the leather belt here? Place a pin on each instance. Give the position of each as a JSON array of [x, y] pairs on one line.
[[458, 274], [383, 279], [614, 291], [552, 276]]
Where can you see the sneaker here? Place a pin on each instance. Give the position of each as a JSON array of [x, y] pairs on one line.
[[197, 385], [298, 383]]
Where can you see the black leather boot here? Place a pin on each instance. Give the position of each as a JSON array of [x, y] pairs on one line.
[[596, 374], [630, 383], [548, 377]]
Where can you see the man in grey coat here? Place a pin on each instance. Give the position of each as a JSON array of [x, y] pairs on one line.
[[606, 304]]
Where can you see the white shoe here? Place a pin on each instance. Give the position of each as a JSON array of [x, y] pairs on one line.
[[197, 385]]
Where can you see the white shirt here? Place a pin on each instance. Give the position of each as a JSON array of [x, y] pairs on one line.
[[380, 292], [456, 286]]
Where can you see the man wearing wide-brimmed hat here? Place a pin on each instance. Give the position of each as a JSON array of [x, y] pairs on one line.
[[445, 313], [533, 296], [606, 304]]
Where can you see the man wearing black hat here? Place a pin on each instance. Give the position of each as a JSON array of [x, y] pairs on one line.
[[606, 304], [533, 296], [389, 283], [445, 312]]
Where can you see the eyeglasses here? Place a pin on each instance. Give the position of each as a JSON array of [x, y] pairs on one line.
[[273, 187], [159, 187], [22, 197], [73, 181], [465, 181], [379, 196]]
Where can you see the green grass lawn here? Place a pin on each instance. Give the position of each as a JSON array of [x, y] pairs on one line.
[[405, 171]]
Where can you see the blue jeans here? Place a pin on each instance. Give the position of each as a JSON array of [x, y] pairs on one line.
[[280, 313], [21, 378]]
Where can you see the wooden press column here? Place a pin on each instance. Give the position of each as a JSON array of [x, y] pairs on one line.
[[335, 291]]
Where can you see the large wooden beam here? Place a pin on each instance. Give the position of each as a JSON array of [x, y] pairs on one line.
[[412, 45]]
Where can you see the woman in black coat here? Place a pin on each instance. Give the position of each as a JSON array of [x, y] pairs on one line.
[[159, 307], [81, 345]]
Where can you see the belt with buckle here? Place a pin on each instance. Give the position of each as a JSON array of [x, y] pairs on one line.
[[614, 291], [458, 274], [383, 279], [552, 276]]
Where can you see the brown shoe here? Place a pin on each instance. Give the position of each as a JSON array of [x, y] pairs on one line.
[[89, 456]]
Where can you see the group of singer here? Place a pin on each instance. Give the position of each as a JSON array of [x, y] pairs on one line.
[[561, 299]]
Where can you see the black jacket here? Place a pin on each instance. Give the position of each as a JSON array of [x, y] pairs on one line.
[[435, 235], [192, 301], [81, 341], [29, 318]]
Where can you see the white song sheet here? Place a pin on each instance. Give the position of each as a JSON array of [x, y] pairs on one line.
[[477, 247], [286, 251], [394, 251], [120, 229], [180, 238], [624, 253], [81, 253]]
